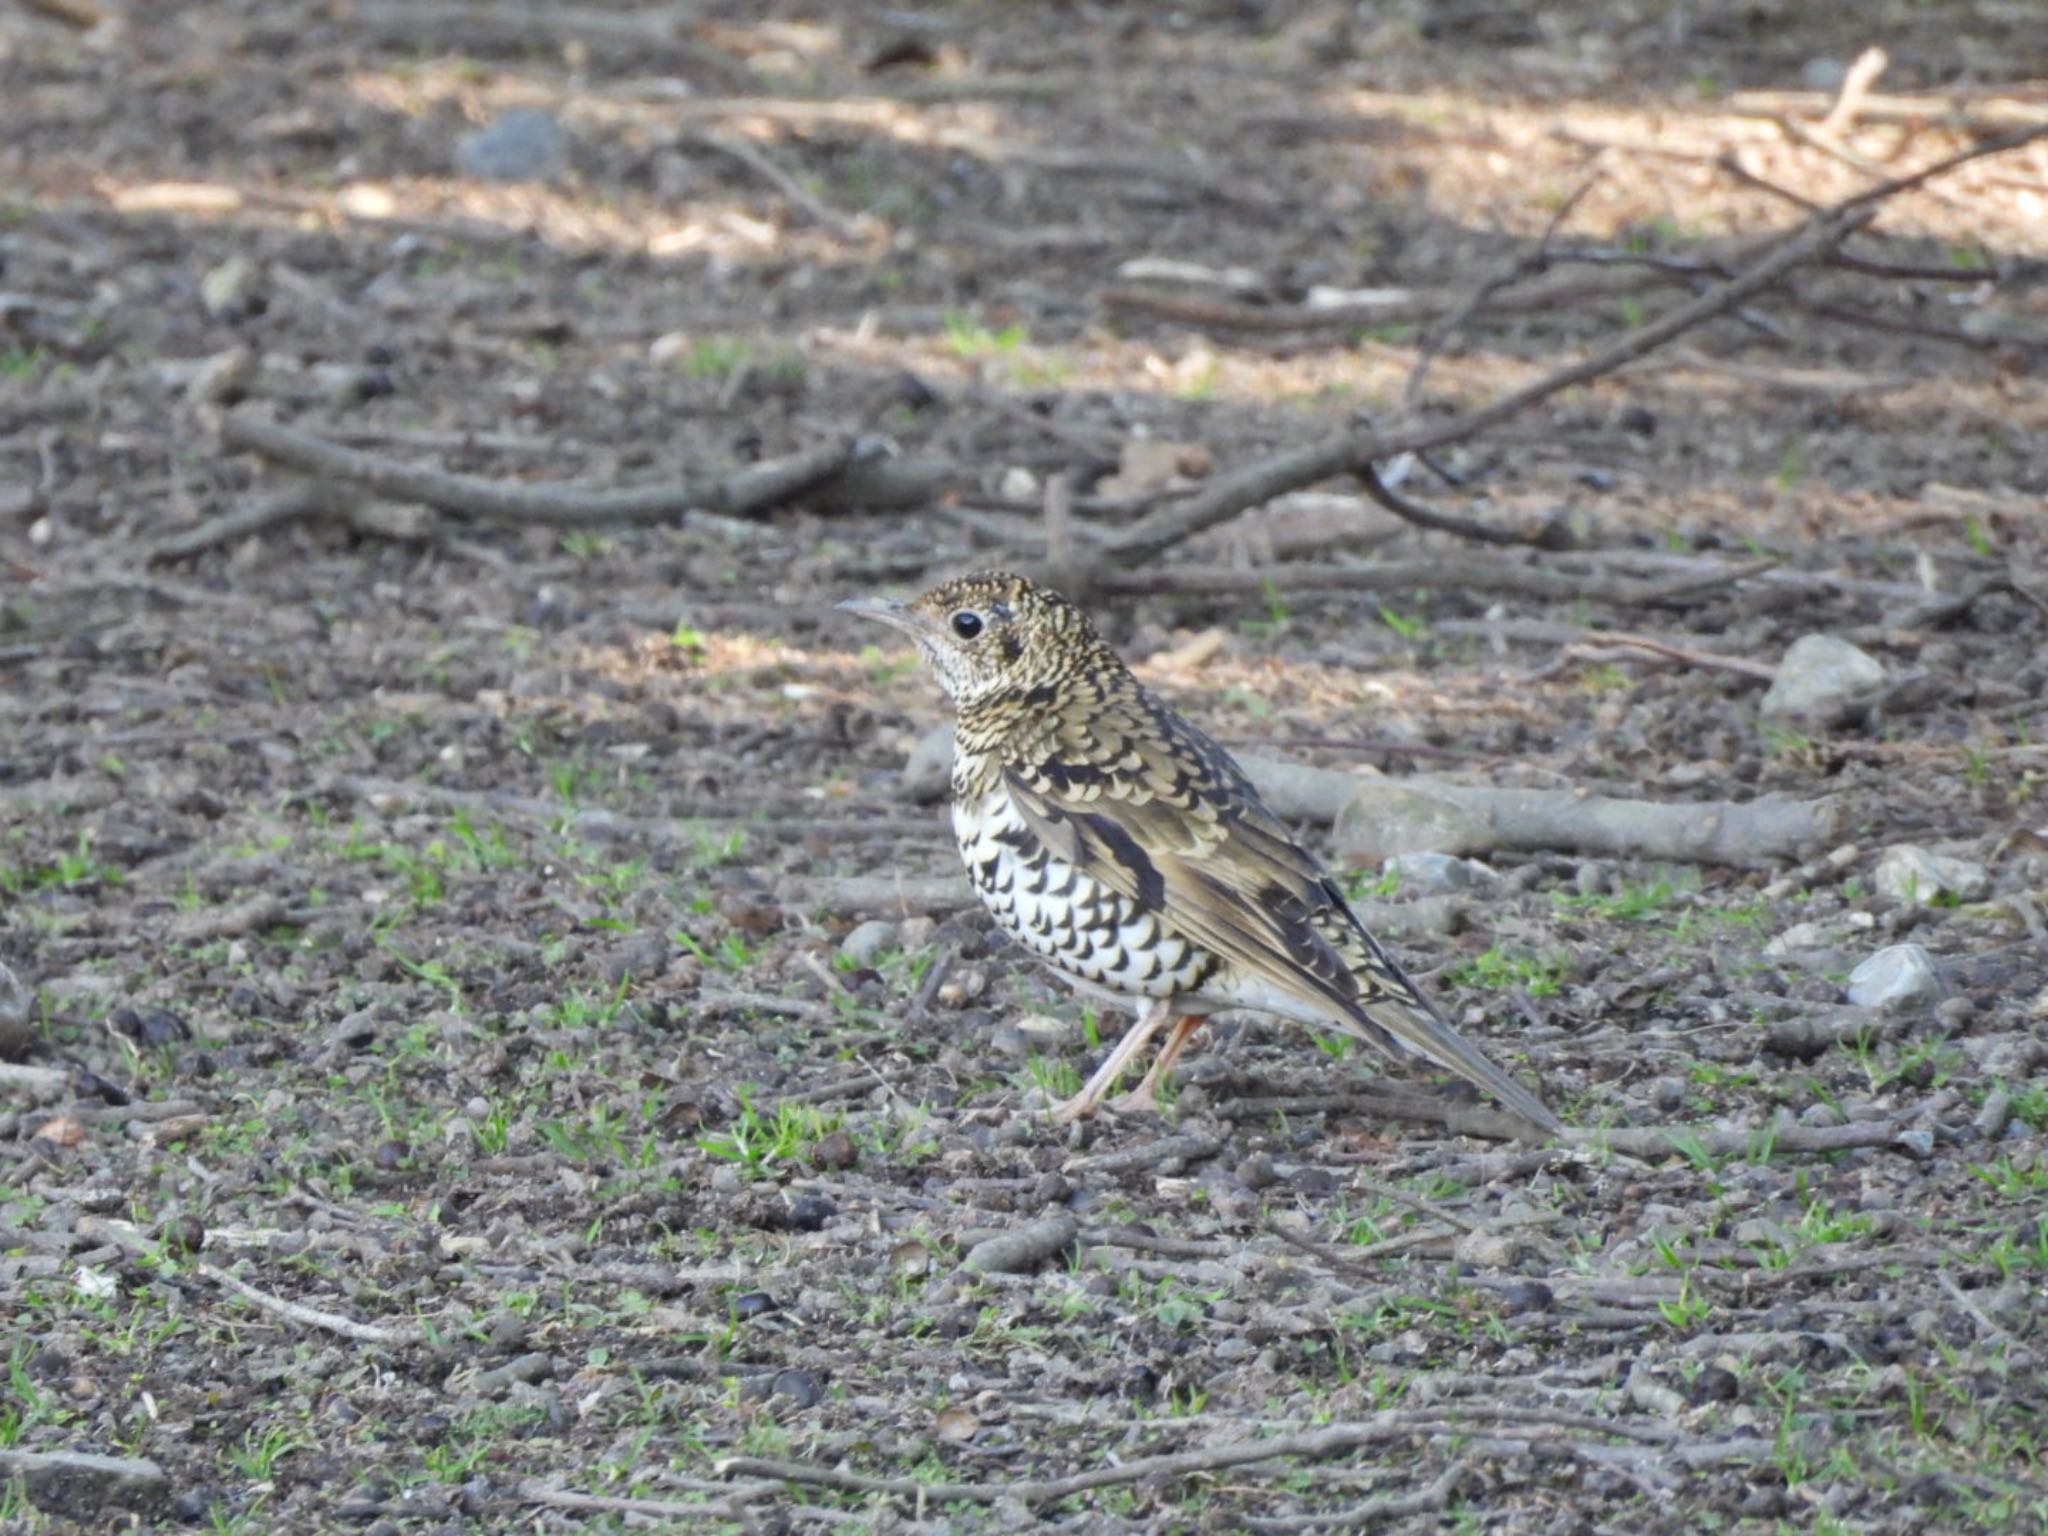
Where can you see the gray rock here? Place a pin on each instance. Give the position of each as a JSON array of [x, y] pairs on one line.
[[1799, 938], [868, 940], [1911, 874], [1899, 977], [1435, 872], [17, 1026], [525, 144], [928, 773], [77, 1486], [1822, 681]]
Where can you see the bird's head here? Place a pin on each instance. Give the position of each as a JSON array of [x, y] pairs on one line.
[[991, 635]]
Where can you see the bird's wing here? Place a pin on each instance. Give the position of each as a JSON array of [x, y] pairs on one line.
[[1142, 802]]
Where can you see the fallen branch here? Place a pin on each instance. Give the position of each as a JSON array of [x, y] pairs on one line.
[[1230, 493], [835, 469], [1379, 817]]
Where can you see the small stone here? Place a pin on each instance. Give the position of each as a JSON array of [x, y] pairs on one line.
[[809, 1213], [835, 1150], [867, 941], [1431, 873], [1488, 1250], [1909, 873], [17, 1032], [1899, 977], [1257, 1172], [1019, 484], [525, 144], [225, 289], [753, 1304], [1799, 939], [1822, 681], [801, 1387], [929, 769], [1668, 1093], [525, 1368]]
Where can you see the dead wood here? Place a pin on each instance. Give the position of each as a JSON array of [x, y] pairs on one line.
[[836, 471], [1419, 814], [1346, 452]]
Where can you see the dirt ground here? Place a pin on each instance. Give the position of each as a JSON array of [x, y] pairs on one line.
[[479, 1091]]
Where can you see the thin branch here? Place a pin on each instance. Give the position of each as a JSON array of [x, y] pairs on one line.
[[758, 161], [744, 492], [1232, 492]]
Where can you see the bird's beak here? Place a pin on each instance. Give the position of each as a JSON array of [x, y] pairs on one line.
[[889, 612]]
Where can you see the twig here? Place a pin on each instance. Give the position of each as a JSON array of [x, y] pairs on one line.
[[1189, 1147], [288, 503], [1318, 1443], [1856, 84], [1382, 1506], [1233, 491], [1546, 534], [128, 1237], [832, 467], [311, 1317], [757, 160], [727, 1508], [1531, 264]]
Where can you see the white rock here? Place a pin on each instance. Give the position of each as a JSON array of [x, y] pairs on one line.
[[1822, 681], [1899, 977], [1799, 938], [1019, 484], [1910, 873]]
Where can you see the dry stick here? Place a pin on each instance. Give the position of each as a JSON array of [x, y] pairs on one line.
[[757, 161], [286, 504], [126, 1236], [1856, 84], [745, 492], [1530, 265], [727, 1508], [1381, 1506], [1263, 479]]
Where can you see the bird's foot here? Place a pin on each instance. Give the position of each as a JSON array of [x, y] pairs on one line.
[[1080, 1107]]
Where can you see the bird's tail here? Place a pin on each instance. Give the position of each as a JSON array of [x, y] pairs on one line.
[[1391, 1015]]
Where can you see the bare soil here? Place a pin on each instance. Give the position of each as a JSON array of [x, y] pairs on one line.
[[430, 926]]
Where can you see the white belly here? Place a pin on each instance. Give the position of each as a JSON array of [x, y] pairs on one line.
[[1097, 939]]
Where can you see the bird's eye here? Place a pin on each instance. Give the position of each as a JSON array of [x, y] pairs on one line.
[[966, 624]]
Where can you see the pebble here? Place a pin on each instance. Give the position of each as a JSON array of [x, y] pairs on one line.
[[17, 1032], [1899, 977], [1822, 681], [1909, 873], [525, 144], [867, 941]]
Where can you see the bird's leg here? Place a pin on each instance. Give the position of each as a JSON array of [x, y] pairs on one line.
[[1145, 1097], [1148, 1024]]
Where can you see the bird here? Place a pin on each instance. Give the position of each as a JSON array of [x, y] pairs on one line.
[[1130, 852]]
